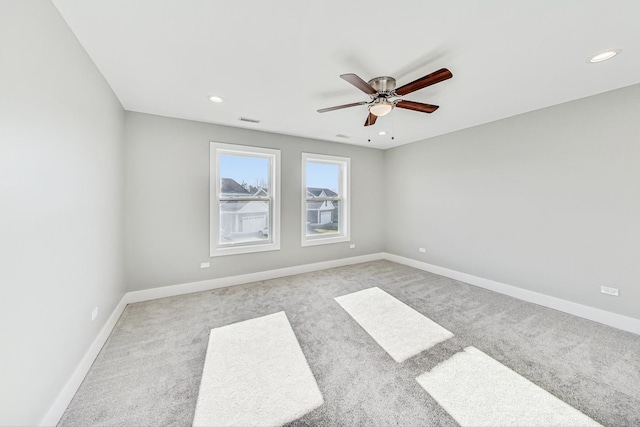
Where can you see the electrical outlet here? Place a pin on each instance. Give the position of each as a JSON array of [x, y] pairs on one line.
[[609, 291], [94, 314], [422, 250], [205, 265], [352, 246]]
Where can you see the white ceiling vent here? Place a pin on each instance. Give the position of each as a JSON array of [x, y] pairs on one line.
[[245, 119]]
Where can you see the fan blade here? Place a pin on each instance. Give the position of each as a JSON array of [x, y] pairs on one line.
[[417, 106], [359, 83], [371, 120], [339, 107], [422, 82]]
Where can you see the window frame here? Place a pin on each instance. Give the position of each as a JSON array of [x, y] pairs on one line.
[[216, 149], [344, 199]]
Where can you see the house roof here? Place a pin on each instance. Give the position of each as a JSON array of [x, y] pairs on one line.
[[230, 186], [317, 192], [318, 206], [244, 207]]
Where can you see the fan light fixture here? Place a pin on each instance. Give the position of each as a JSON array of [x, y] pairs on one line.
[[381, 108]]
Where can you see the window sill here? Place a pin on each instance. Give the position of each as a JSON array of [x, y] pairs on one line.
[[238, 250], [324, 240]]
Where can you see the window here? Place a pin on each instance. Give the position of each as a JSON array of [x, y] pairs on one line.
[[245, 199], [325, 199]]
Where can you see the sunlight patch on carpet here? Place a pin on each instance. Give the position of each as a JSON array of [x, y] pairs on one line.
[[399, 329], [477, 390], [255, 374]]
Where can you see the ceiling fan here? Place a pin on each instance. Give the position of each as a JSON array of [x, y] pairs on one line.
[[385, 97]]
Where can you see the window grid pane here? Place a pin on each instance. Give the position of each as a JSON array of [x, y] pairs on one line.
[[323, 217], [244, 175], [244, 222]]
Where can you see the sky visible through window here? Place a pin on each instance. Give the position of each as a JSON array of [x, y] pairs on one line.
[[255, 170], [323, 175], [250, 170]]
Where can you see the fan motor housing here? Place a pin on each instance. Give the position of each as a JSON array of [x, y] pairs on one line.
[[383, 84]]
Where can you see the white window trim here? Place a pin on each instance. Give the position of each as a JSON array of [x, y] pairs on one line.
[[345, 194], [273, 244]]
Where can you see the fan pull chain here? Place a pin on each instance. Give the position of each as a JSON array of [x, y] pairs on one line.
[[393, 115]]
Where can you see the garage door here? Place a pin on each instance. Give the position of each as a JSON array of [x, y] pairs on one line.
[[325, 217], [253, 223]]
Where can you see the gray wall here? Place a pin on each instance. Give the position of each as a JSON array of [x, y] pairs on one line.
[[167, 201], [547, 201], [61, 206]]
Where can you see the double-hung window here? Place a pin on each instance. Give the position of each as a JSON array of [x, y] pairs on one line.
[[325, 199], [245, 199]]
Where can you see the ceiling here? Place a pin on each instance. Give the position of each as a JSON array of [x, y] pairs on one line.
[[280, 61]]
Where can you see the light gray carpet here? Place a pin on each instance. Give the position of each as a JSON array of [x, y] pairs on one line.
[[149, 370]]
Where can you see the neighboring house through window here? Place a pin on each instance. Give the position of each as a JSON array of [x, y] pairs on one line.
[[325, 199], [245, 199]]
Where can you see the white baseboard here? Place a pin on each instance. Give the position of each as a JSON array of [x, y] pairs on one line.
[[69, 390], [205, 285], [591, 313]]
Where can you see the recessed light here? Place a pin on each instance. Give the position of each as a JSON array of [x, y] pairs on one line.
[[382, 133], [215, 99], [605, 55]]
